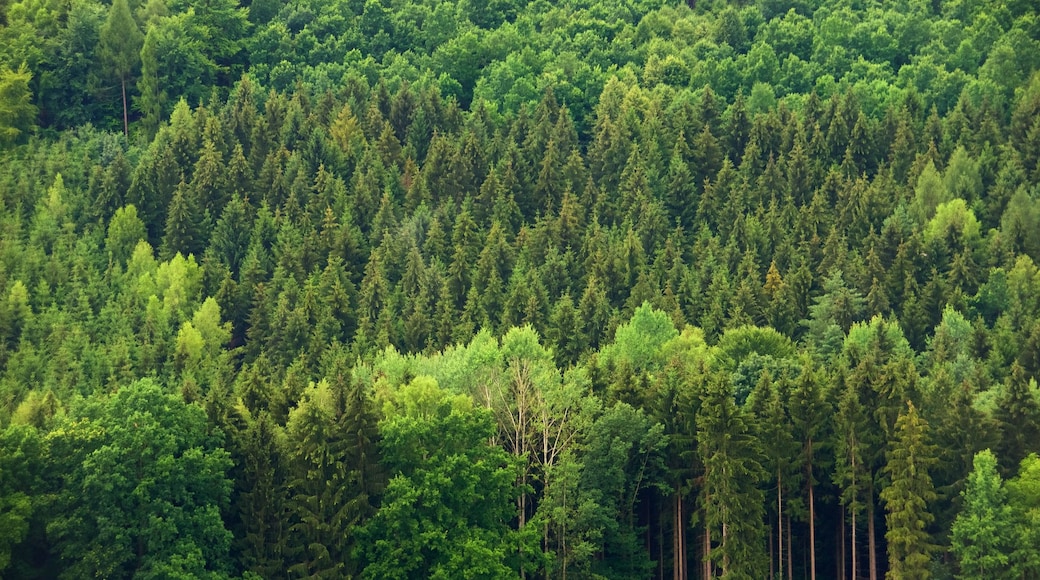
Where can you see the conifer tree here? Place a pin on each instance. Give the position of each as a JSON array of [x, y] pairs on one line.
[[1018, 416], [907, 498], [121, 41], [982, 534], [733, 502], [186, 232]]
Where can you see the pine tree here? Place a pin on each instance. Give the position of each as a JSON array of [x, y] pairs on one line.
[[121, 42], [261, 503], [907, 498], [1018, 416], [730, 494], [186, 230], [982, 535]]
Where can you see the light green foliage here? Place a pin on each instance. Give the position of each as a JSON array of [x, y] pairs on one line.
[[982, 533], [739, 343], [929, 193], [178, 283], [1024, 500], [447, 507], [17, 111], [953, 221], [638, 343], [124, 232]]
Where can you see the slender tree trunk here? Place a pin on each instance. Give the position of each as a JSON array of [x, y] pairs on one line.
[[725, 553], [563, 535], [855, 572], [126, 123], [679, 565], [779, 524], [707, 550], [812, 524]]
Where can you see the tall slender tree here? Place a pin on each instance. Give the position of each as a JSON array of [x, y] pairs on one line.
[[121, 42], [907, 497]]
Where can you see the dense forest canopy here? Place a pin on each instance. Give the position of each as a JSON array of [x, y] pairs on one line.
[[486, 289]]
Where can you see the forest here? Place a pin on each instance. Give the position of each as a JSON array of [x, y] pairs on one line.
[[584, 289]]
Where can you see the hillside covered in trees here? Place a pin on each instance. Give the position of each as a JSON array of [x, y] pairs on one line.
[[492, 289]]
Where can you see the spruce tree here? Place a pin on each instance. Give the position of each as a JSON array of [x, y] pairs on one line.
[[982, 535], [730, 494], [121, 42], [907, 497]]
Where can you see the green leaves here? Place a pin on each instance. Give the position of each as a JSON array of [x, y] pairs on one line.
[[144, 496], [447, 508]]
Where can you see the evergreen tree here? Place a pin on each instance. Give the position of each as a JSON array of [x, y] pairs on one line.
[[1018, 416], [732, 500], [907, 498], [120, 50], [982, 533]]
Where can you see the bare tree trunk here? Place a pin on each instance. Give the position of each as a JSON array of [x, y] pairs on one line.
[[790, 558], [779, 524], [855, 572], [725, 553], [812, 524], [680, 541]]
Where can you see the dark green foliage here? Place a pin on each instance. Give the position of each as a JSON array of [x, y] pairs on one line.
[[751, 233], [145, 491]]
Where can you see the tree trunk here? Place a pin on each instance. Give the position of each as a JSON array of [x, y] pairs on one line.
[[678, 547], [855, 572], [707, 550], [779, 525], [812, 524]]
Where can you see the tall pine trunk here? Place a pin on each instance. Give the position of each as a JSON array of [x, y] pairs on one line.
[[779, 525], [678, 540], [812, 524], [855, 573]]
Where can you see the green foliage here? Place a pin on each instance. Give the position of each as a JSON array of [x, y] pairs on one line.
[[552, 209], [907, 497], [1024, 500], [20, 456], [982, 534], [448, 504], [17, 112], [145, 494]]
